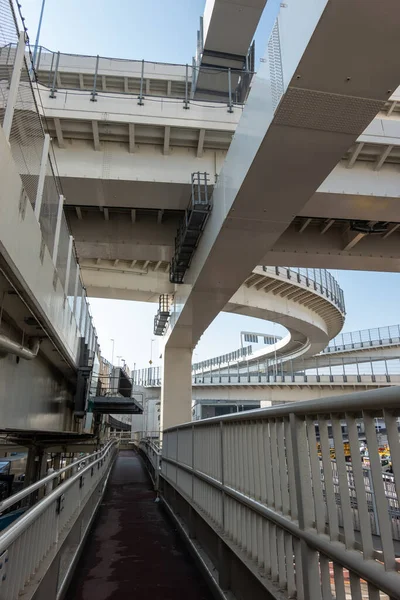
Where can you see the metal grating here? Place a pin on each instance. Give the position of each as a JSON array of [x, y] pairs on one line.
[[310, 109], [275, 65], [191, 227]]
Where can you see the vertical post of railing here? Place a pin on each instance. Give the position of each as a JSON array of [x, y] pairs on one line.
[[186, 101], [372, 372], [230, 104], [193, 86], [387, 371], [36, 67], [14, 85], [42, 175], [305, 506], [83, 306], [358, 370], [224, 566], [68, 269], [75, 292], [53, 86], [94, 93], [141, 86], [50, 70], [58, 230]]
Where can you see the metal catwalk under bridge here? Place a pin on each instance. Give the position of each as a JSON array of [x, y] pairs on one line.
[[133, 550]]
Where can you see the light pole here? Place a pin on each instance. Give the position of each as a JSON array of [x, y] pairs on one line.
[[151, 351], [112, 355], [119, 359], [38, 34]]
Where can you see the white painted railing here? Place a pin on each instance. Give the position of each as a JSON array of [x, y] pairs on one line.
[[30, 544], [278, 502], [151, 449]]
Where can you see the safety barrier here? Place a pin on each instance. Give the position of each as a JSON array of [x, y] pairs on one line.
[[364, 338], [318, 279], [264, 482], [151, 451], [40, 548], [319, 369], [98, 76]]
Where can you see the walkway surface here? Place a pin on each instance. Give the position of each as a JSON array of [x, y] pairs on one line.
[[133, 550]]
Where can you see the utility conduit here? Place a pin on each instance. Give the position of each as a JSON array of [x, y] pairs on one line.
[[8, 346]]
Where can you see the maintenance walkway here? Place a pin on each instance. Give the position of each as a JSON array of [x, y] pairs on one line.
[[133, 549]]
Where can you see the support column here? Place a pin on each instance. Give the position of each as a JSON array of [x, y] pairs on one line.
[[176, 387]]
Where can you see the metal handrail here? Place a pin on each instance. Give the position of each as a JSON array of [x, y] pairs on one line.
[[322, 281], [19, 526], [364, 338], [5, 504], [269, 473], [388, 398]]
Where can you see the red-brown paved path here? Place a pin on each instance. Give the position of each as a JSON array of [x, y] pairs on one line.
[[133, 550]]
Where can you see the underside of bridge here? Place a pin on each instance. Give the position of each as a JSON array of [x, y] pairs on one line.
[[201, 188]]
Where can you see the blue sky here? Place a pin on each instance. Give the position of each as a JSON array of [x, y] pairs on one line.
[[166, 31]]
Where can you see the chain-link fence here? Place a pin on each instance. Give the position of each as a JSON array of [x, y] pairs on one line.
[[27, 143], [8, 41]]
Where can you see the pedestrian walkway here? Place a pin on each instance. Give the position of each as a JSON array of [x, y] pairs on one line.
[[133, 550]]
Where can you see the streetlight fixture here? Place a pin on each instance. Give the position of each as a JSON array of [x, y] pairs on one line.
[[35, 49]]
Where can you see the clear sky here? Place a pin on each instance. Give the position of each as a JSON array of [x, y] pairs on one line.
[[166, 31]]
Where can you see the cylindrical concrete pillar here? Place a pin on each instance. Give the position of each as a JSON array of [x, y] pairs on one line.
[[176, 387]]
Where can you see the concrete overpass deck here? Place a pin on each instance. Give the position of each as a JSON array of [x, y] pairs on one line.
[[198, 139], [312, 310]]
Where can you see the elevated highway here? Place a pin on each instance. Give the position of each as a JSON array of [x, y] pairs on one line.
[[143, 156], [311, 310]]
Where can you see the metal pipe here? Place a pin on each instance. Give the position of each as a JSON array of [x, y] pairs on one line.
[[8, 346], [35, 49]]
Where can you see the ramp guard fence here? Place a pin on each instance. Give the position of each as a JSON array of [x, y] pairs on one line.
[[28, 546], [318, 369], [364, 338], [265, 482], [34, 157], [318, 279], [101, 76]]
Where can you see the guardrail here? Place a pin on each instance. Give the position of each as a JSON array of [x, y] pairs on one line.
[[319, 369], [318, 279], [364, 338], [30, 544], [102, 76], [258, 480], [152, 453]]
